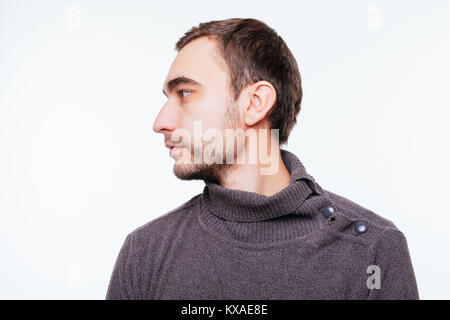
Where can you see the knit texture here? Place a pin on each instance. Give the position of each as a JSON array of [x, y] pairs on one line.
[[234, 244]]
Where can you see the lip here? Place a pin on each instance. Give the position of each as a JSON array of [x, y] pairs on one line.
[[171, 151]]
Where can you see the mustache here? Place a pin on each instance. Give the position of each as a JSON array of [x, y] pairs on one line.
[[190, 146], [180, 145]]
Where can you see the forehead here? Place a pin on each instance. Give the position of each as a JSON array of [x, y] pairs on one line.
[[199, 61]]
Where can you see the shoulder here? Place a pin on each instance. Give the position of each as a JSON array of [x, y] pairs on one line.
[[378, 226], [147, 244], [353, 210], [163, 224], [386, 243], [144, 250]]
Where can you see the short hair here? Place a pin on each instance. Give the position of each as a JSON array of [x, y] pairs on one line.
[[252, 52]]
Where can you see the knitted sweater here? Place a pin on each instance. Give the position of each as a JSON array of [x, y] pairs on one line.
[[303, 242]]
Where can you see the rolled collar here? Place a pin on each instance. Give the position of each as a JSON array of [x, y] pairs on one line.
[[245, 206]]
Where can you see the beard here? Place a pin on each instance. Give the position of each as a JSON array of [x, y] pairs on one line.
[[215, 171]]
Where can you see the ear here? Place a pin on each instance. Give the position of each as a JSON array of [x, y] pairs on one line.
[[262, 96]]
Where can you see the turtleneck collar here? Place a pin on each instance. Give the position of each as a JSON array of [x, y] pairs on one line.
[[245, 206]]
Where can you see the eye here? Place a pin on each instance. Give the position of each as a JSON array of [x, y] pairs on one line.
[[184, 93]]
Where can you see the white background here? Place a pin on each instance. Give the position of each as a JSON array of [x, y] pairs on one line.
[[80, 87]]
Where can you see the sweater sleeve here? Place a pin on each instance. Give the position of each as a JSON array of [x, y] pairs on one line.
[[123, 281], [398, 281]]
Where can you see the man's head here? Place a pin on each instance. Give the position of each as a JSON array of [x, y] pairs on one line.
[[236, 74]]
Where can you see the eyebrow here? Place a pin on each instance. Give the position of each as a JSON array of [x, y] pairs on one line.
[[172, 84]]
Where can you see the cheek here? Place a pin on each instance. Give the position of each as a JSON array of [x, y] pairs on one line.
[[211, 113]]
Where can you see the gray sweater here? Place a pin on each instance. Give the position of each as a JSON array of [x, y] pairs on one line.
[[303, 242]]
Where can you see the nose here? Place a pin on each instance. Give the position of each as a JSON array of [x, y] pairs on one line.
[[165, 120]]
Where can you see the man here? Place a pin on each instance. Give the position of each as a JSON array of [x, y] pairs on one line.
[[261, 229]]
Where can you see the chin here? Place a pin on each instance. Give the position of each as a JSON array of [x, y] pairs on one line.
[[187, 171], [205, 172]]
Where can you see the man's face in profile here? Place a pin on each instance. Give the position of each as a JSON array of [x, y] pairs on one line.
[[197, 89]]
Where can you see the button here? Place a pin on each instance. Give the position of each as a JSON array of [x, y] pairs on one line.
[[360, 226], [331, 220], [327, 211]]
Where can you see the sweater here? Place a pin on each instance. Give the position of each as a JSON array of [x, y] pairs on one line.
[[303, 242]]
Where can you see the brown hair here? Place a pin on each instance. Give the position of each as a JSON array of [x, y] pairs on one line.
[[252, 52]]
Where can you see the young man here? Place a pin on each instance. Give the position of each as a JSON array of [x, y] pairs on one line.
[[261, 229]]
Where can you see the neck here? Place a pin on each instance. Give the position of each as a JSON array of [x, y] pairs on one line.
[[296, 201], [249, 176]]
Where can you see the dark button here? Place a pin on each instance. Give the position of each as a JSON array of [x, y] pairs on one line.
[[331, 220], [327, 211], [360, 226]]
